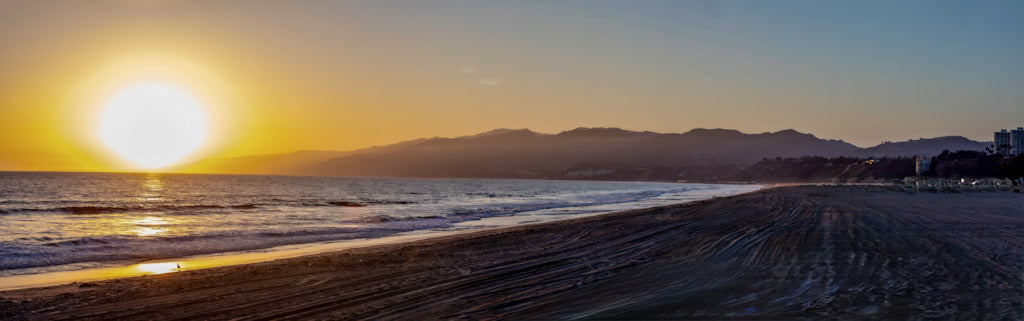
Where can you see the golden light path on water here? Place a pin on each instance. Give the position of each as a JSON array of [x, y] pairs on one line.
[[148, 225], [159, 268]]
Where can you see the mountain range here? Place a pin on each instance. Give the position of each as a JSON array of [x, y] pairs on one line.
[[583, 152]]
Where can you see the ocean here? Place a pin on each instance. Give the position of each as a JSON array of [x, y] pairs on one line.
[[67, 221]]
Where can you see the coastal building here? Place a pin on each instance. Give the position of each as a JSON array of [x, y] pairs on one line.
[[921, 165], [1017, 140], [1003, 142]]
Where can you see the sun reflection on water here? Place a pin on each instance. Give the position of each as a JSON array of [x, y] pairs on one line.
[[159, 268], [151, 188], [149, 231], [150, 226]]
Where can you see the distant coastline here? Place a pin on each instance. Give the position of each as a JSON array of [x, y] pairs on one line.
[[612, 154]]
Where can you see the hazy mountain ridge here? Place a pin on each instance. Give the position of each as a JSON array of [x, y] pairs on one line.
[[522, 153]]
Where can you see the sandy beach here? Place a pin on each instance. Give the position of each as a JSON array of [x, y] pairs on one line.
[[795, 252]]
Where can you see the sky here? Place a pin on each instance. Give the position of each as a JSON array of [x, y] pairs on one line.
[[280, 76]]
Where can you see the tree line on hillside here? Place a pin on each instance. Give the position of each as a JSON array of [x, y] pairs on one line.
[[969, 163]]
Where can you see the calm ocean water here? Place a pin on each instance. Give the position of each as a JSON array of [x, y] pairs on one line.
[[60, 221]]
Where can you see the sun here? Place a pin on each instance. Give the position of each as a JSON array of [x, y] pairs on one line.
[[152, 125]]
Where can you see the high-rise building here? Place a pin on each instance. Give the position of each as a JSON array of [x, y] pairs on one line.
[[1017, 140], [1003, 142]]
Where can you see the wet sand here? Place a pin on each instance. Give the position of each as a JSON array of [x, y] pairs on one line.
[[797, 252]]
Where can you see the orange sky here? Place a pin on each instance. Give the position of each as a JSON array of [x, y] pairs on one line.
[[278, 77]]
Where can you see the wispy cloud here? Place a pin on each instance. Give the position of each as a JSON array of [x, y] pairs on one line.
[[489, 81], [471, 71]]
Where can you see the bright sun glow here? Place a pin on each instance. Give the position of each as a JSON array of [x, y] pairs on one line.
[[152, 125]]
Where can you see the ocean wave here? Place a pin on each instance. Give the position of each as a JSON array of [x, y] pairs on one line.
[[114, 209], [101, 209], [346, 204], [85, 210], [388, 218], [117, 248], [363, 203], [389, 202]]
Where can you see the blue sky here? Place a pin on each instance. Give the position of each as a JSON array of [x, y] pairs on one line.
[[337, 75], [865, 71]]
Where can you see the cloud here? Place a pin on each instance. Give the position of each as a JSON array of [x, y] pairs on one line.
[[489, 81], [483, 81]]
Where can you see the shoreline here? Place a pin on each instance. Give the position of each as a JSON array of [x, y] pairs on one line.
[[213, 260], [785, 252], [205, 261]]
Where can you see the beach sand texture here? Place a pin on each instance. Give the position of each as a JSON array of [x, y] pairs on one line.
[[804, 252]]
